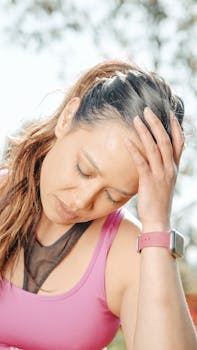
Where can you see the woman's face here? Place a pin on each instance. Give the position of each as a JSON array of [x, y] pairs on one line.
[[89, 170]]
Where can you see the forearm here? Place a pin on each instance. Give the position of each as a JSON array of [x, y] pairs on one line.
[[163, 319]]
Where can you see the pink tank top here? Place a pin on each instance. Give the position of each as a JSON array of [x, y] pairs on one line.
[[78, 319]]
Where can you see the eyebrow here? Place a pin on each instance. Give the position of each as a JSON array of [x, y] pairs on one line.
[[100, 173]]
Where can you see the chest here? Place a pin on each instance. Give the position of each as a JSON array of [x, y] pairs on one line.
[[69, 273], [67, 323], [59, 316]]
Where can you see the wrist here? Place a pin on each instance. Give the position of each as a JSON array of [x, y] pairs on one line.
[[155, 227], [172, 240]]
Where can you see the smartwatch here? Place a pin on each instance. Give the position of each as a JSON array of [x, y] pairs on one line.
[[172, 240]]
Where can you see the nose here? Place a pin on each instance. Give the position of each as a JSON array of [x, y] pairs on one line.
[[86, 196]]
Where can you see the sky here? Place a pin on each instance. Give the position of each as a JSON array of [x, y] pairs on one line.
[[25, 80]]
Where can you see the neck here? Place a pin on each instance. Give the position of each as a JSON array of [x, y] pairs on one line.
[[48, 232]]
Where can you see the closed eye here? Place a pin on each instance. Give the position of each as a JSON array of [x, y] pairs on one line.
[[87, 176], [80, 172], [111, 199]]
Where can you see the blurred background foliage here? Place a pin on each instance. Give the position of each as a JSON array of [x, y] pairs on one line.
[[159, 35]]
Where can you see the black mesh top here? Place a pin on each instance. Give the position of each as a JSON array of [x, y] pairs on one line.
[[42, 260]]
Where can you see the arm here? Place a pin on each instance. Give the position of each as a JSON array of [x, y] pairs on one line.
[[162, 321], [154, 313]]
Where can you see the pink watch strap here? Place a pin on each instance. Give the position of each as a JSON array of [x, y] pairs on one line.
[[154, 239]]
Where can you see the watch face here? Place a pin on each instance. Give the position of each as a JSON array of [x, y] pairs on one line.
[[176, 244]]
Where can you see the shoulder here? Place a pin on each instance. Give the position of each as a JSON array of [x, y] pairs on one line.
[[128, 230], [129, 223], [123, 264], [124, 249], [129, 280]]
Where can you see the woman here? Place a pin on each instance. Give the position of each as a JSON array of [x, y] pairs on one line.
[[71, 275]]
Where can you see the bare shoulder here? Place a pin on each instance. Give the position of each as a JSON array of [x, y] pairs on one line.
[[127, 233], [130, 226], [124, 248], [129, 276], [123, 264], [123, 260]]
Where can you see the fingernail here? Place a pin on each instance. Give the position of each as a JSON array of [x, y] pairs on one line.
[[172, 116], [148, 113], [137, 118], [147, 109]]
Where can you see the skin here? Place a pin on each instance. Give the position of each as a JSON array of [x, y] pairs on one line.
[[67, 173], [141, 163]]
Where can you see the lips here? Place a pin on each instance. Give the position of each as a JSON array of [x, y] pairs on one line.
[[65, 209]]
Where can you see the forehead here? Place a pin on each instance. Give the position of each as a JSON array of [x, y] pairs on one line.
[[110, 135], [105, 144]]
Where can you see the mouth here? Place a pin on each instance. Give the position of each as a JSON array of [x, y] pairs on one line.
[[65, 210]]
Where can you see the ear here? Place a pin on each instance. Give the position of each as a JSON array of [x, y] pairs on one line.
[[65, 119]]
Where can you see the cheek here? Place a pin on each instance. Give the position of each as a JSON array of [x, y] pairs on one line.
[[58, 169], [51, 169]]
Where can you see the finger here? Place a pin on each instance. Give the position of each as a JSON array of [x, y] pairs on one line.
[[151, 148], [177, 138], [161, 136], [142, 165]]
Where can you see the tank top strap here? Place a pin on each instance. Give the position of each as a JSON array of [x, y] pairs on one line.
[[97, 276], [107, 235], [111, 229]]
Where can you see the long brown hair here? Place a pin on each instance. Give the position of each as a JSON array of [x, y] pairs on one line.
[[20, 203]]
